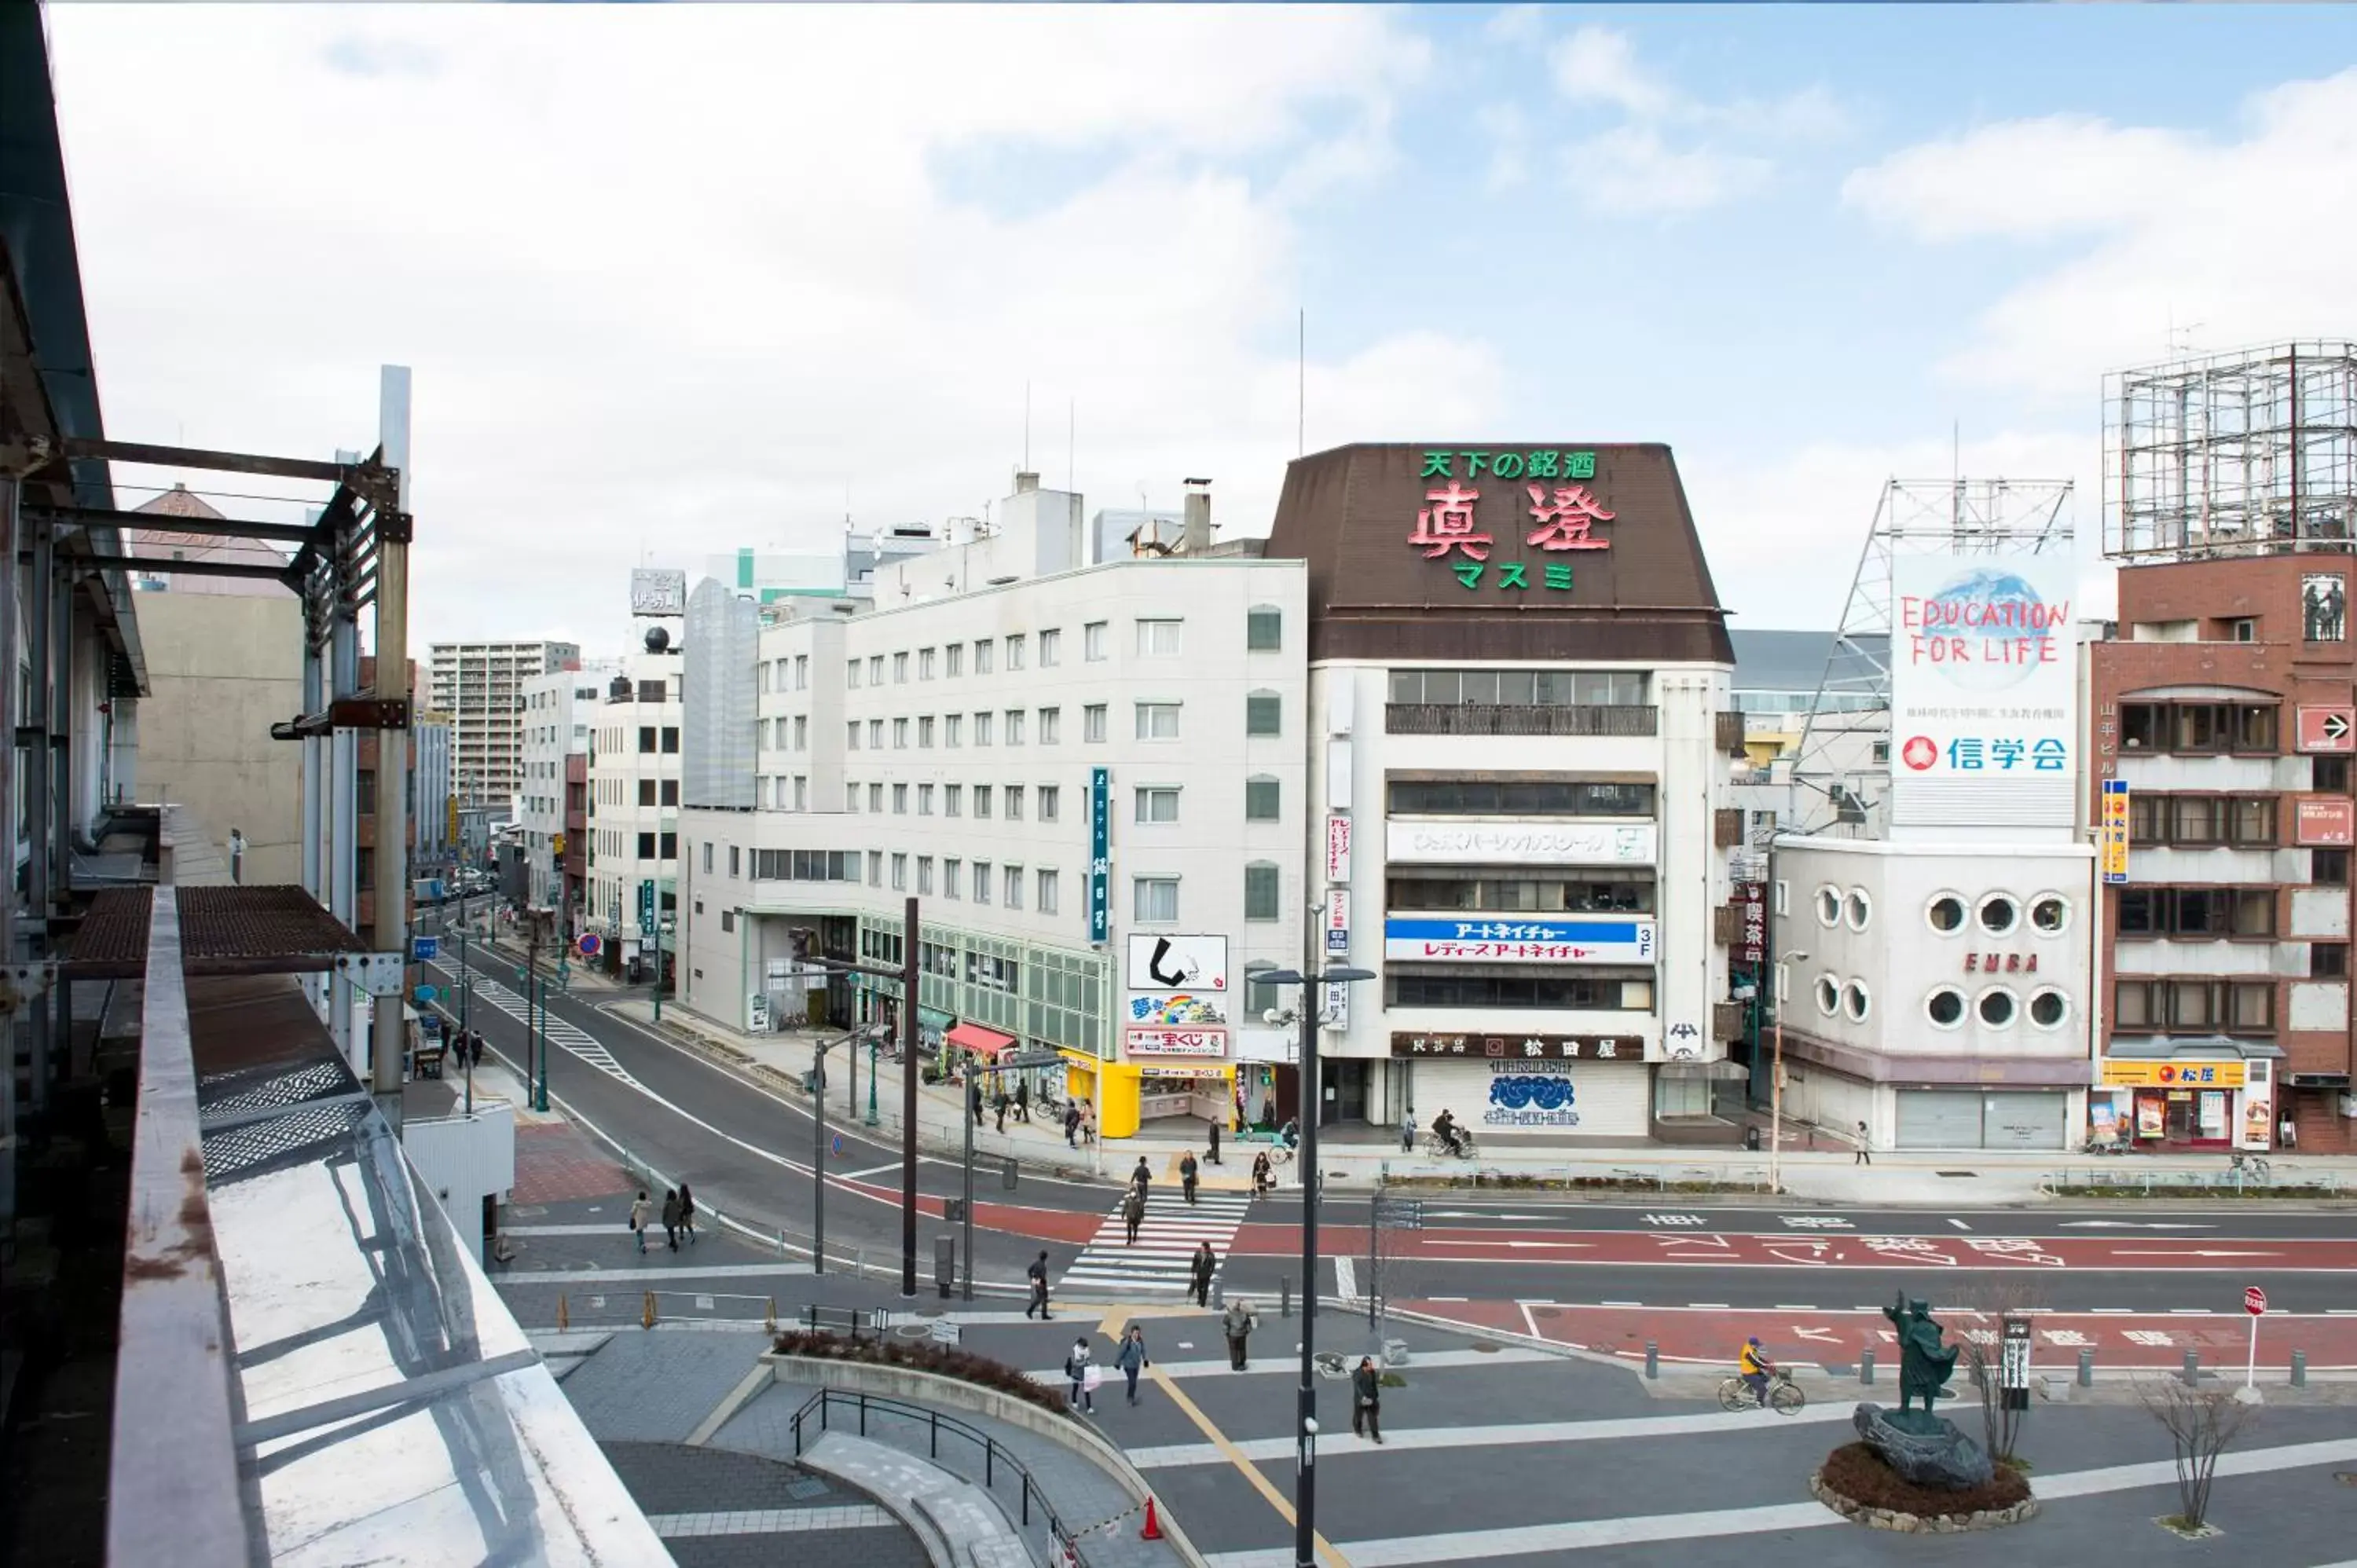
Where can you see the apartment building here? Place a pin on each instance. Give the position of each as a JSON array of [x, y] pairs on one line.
[[481, 686], [559, 707], [1091, 777], [632, 811]]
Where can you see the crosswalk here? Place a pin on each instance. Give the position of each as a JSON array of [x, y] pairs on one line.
[[567, 1037], [1160, 1264]]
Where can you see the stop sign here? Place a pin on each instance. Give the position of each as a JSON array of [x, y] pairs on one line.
[[2254, 1300]]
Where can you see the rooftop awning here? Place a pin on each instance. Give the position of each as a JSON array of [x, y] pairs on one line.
[[2198, 1048], [981, 1042]]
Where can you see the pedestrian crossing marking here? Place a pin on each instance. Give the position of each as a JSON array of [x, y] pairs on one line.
[[567, 1037], [1161, 1262]]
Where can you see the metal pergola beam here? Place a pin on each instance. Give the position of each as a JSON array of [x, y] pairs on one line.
[[165, 522], [199, 568], [217, 462]]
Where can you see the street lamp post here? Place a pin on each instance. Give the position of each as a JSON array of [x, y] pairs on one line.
[[908, 976], [1776, 1081], [1305, 1457], [818, 1144]]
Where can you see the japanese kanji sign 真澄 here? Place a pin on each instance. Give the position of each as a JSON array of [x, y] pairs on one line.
[[1557, 518]]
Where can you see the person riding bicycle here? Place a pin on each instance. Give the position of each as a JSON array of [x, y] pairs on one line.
[[1756, 1364], [1444, 1127], [1290, 1136]]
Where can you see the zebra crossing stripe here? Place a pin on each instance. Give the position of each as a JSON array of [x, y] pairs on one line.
[[1161, 1262], [567, 1037]]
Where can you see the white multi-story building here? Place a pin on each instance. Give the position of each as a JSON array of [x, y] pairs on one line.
[[633, 816], [481, 686], [1522, 746], [1091, 777], [559, 707]]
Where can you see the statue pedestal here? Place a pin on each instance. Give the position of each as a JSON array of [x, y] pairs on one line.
[[1926, 1449]]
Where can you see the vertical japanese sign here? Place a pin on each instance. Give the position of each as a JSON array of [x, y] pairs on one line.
[[2114, 831], [647, 908], [1099, 855], [1337, 922], [1753, 899], [1338, 848], [2014, 1362]]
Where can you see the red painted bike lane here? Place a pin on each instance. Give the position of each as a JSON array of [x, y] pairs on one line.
[[1711, 1336]]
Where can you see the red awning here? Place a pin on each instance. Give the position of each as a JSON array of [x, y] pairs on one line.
[[981, 1042]]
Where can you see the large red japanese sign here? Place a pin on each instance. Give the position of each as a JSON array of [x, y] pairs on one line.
[[1554, 517]]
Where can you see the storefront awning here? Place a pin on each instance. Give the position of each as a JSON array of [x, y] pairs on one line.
[[2171, 1047], [1730, 1072], [981, 1042]]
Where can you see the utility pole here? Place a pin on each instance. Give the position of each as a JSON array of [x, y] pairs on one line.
[[909, 940]]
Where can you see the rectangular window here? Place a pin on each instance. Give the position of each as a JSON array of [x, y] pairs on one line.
[[900, 799], [1157, 721], [2328, 775], [646, 846], [1093, 723], [2251, 820], [2195, 819], [1153, 900], [1014, 726], [2328, 960], [1013, 802], [1263, 630], [1093, 642], [651, 692], [953, 660], [924, 664], [1050, 802], [981, 882], [876, 797], [646, 740], [670, 739], [851, 797], [727, 916], [801, 733], [982, 725], [982, 801], [952, 730], [1014, 878], [875, 670], [1157, 805], [875, 735], [1159, 638], [924, 876], [851, 674], [900, 670], [2328, 867], [667, 792], [953, 873], [2251, 1006], [802, 794], [899, 735], [1260, 800], [802, 671], [1052, 648], [669, 846], [875, 868], [899, 872], [1014, 646], [925, 732], [1045, 886], [707, 857], [732, 860], [646, 791], [1261, 896], [985, 652], [953, 799], [1264, 713], [851, 740], [2144, 912], [1051, 726], [924, 799]]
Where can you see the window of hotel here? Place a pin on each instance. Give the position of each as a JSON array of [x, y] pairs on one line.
[[1945, 913], [668, 845], [982, 801], [1093, 642], [1157, 721], [646, 846], [925, 732], [1261, 997], [900, 799], [1263, 629], [1093, 723], [1052, 798], [1051, 726], [1997, 1007], [1052, 648], [2047, 1008], [707, 857], [851, 797], [1013, 884], [981, 882], [1261, 891], [875, 670], [875, 735], [802, 671], [1157, 805], [876, 797], [2235, 1006], [985, 656], [924, 799], [1014, 643], [801, 733], [801, 793], [733, 868], [2328, 960], [1014, 726], [924, 664], [982, 723], [924, 876], [1944, 1007], [953, 799], [2328, 775], [1998, 914], [952, 730], [1159, 638], [1260, 800], [1045, 885], [1264, 713], [953, 660], [952, 874], [1153, 900], [900, 670], [2197, 912], [1013, 802], [851, 740], [899, 735], [646, 740], [899, 872], [646, 791]]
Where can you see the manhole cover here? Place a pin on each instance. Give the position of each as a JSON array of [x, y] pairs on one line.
[[1546, 1312], [1485, 1346], [805, 1491], [1958, 1174]]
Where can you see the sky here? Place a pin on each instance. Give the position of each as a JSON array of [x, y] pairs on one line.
[[674, 280]]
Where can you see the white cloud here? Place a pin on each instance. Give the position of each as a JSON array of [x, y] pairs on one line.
[[1632, 170], [1784, 537], [2243, 233], [1598, 65], [678, 277]]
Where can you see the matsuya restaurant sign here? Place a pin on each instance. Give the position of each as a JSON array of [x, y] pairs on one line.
[[1540, 496], [1562, 940]]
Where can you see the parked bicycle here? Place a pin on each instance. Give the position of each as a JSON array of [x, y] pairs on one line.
[[2254, 1166], [1784, 1395]]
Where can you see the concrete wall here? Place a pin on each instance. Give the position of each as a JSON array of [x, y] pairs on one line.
[[223, 668]]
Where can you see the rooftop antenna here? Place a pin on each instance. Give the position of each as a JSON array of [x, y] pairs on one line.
[[1301, 386], [1026, 428], [1072, 444], [2181, 338]]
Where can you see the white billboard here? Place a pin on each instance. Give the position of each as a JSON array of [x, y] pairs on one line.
[[1983, 686], [658, 592], [1160, 962], [1520, 843]]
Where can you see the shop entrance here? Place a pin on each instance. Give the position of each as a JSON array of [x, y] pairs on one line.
[[1346, 1091]]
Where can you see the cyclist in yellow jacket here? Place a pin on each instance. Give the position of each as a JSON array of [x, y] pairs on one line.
[[1755, 1365]]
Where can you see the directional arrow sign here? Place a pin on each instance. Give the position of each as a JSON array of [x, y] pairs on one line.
[[2174, 1252], [1455, 1242], [2129, 1225], [1467, 1213]]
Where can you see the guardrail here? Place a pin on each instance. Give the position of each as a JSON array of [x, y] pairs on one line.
[[992, 1453], [1573, 1175], [2124, 1174]]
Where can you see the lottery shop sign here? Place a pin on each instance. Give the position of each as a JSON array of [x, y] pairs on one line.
[[1541, 497]]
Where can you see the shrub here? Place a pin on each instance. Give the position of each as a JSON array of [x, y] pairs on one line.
[[1856, 1472], [922, 1355]]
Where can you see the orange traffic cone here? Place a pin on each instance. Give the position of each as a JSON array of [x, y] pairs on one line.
[[1153, 1530]]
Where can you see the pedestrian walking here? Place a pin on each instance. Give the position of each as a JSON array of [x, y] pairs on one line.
[[1200, 1279], [2287, 1132], [974, 1098], [1023, 1100], [1082, 1374], [1133, 1213], [1131, 1358], [687, 1213], [670, 1218], [236, 854], [640, 1212], [1367, 1399], [1002, 1108], [1213, 1122], [1263, 1179], [1088, 1125], [1865, 1147], [1072, 1127], [1237, 1324], [1141, 1178], [1408, 1131], [1038, 1275], [1188, 1173]]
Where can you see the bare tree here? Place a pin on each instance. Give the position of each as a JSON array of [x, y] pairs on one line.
[[1982, 1355], [2200, 1423]]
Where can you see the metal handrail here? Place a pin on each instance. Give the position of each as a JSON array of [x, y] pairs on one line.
[[993, 1453]]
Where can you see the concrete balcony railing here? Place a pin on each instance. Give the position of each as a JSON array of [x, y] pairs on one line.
[[1475, 718]]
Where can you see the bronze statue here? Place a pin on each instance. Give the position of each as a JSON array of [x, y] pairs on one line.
[[1924, 1364]]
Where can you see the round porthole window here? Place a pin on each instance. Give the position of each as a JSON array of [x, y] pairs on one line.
[[1997, 1007], [1829, 906], [1857, 909], [1854, 1002], [1998, 914], [1944, 1007], [2049, 914], [1945, 912], [2048, 1009], [1828, 995]]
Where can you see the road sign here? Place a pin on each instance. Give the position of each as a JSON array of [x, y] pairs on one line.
[[424, 949], [2014, 1363], [2254, 1300], [589, 944], [2328, 729]]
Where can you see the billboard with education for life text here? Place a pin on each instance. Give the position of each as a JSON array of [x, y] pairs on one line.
[[1984, 669]]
